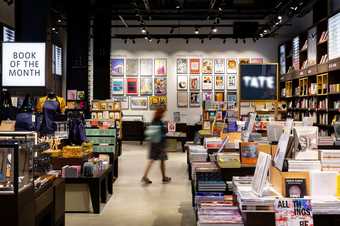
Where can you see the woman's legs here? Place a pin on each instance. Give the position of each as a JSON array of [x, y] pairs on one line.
[[165, 178], [148, 167]]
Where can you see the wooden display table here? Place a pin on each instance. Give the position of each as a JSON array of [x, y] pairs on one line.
[[178, 136], [98, 185]]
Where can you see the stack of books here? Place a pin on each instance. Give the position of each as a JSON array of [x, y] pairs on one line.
[[326, 141], [303, 165], [203, 167], [221, 213], [330, 160], [210, 182], [212, 142], [326, 205], [197, 153]]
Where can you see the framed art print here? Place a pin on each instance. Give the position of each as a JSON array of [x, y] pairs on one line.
[[219, 96], [207, 96], [124, 101], [146, 86], [146, 67], [195, 99], [231, 81], [206, 125], [194, 66], [160, 67], [139, 103], [117, 66], [132, 67], [156, 102], [131, 86], [182, 82], [194, 82], [207, 66], [182, 99], [160, 86], [232, 65], [244, 61], [207, 82], [219, 66], [117, 86], [182, 66], [219, 82]]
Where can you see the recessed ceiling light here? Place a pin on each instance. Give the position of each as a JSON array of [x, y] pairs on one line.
[[279, 17], [197, 31], [143, 30], [53, 28], [146, 38], [265, 31], [59, 20], [214, 29]]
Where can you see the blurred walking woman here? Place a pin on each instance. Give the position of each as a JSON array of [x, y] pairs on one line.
[[156, 134]]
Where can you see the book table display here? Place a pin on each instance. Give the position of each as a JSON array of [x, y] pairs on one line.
[[290, 183]]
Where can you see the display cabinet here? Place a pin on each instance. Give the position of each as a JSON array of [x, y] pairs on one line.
[[16, 166]]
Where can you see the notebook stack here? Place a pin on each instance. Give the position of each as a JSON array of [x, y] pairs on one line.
[[221, 213], [197, 153], [303, 165], [326, 141], [210, 182], [330, 160]]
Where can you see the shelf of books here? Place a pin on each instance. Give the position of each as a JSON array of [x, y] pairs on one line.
[[107, 112], [248, 180], [309, 80]]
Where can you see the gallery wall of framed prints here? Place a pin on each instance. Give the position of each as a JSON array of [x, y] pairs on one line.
[[203, 78], [141, 83]]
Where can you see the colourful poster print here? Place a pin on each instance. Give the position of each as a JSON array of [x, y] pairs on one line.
[[146, 86], [117, 86], [219, 82], [231, 65], [132, 86], [156, 102], [124, 101], [207, 66], [194, 65], [194, 82], [160, 67], [139, 103], [182, 66], [160, 86], [117, 66], [207, 96], [207, 82]]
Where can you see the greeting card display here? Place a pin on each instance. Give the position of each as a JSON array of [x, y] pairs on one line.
[[146, 86], [146, 67], [194, 82], [124, 101], [139, 103], [117, 66], [219, 66], [219, 82], [182, 82], [160, 86], [232, 66], [132, 86], [207, 82], [160, 67], [182, 66], [207, 66], [194, 66], [219, 96], [131, 67], [182, 99], [117, 86], [195, 99]]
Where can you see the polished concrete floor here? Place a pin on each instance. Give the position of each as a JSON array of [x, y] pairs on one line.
[[135, 205]]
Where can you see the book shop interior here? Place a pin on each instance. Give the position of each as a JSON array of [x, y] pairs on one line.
[[170, 112]]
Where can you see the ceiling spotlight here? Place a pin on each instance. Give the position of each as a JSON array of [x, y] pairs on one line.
[[197, 31], [150, 39], [279, 17], [143, 30], [59, 20], [261, 35], [224, 41], [244, 41], [214, 29], [187, 41], [202, 40], [265, 31], [146, 37], [158, 41], [220, 9], [125, 41], [171, 30], [53, 28]]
